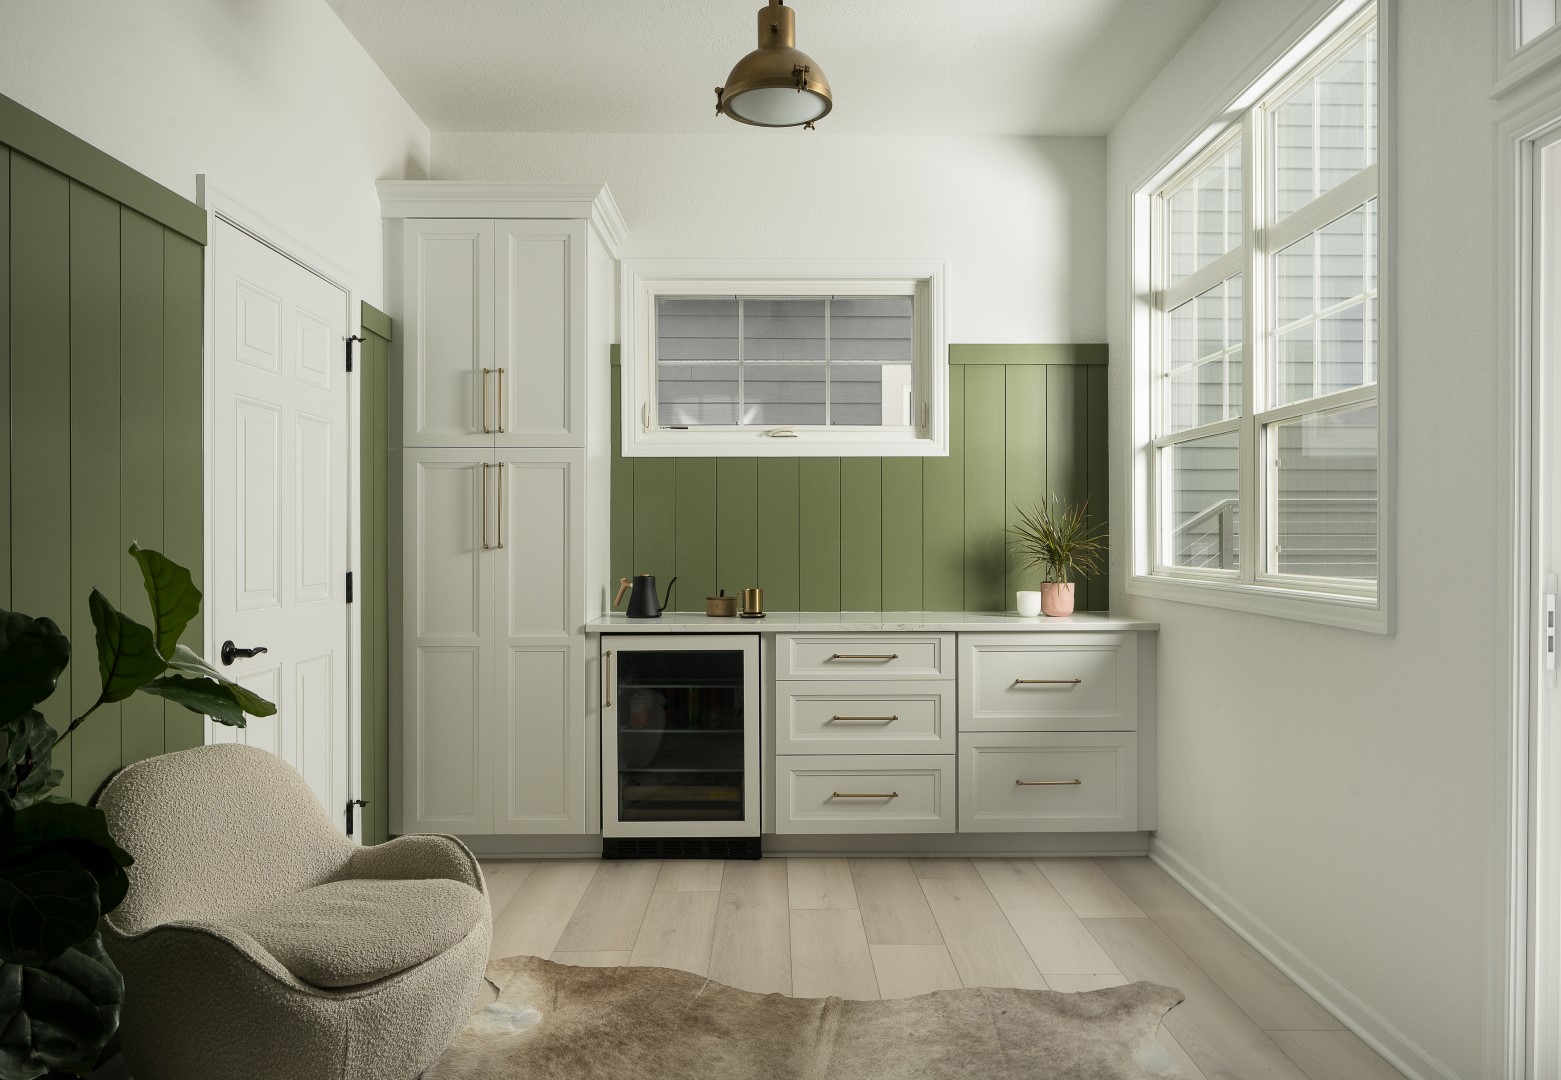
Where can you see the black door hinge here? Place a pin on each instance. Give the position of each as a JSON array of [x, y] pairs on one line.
[[350, 340], [352, 805], [349, 586]]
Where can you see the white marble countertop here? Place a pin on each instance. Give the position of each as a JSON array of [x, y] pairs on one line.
[[834, 622]]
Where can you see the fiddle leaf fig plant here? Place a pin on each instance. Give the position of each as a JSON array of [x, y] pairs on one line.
[[60, 869]]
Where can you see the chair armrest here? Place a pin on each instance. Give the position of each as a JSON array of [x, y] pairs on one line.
[[423, 855]]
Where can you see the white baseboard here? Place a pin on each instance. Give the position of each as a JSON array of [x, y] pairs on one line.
[[1373, 1028]]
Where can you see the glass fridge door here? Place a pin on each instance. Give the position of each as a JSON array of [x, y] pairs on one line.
[[680, 736]]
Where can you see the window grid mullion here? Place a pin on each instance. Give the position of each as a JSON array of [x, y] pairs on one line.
[[742, 384], [1253, 354]]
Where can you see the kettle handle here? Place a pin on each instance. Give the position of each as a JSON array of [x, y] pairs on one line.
[[668, 600], [624, 585]]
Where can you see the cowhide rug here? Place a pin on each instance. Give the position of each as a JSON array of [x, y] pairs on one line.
[[556, 1022]]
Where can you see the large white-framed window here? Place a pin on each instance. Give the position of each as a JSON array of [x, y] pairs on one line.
[[784, 358], [1259, 360]]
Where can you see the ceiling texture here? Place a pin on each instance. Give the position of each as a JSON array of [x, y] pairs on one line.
[[997, 67]]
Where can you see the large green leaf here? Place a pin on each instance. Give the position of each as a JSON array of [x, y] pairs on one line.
[[28, 758], [186, 662], [127, 653], [175, 599], [204, 696], [48, 902], [33, 653], [80, 832], [60, 1014]]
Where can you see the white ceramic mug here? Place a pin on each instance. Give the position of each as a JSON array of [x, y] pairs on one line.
[[1029, 603]]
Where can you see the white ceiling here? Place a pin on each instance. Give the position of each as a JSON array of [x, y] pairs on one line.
[[1013, 67]]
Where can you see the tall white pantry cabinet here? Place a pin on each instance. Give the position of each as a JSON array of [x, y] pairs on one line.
[[504, 298]]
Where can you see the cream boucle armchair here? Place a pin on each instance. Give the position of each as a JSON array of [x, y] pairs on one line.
[[259, 943]]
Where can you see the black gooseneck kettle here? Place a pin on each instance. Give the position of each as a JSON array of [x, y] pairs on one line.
[[643, 602]]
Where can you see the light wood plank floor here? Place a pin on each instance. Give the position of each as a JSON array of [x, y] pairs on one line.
[[869, 928]]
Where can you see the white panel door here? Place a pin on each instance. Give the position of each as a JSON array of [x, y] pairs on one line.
[[539, 347], [539, 769], [451, 388], [282, 473], [449, 510]]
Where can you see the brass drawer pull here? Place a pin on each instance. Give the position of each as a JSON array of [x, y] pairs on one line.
[[864, 656], [1047, 783], [865, 795], [861, 719], [500, 372], [485, 545], [500, 544], [1047, 682], [486, 430]]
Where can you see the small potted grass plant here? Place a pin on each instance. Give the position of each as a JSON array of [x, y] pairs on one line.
[[1056, 538]]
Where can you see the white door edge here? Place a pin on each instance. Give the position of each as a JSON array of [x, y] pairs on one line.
[[219, 205]]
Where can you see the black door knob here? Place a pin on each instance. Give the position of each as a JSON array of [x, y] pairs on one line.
[[231, 652]]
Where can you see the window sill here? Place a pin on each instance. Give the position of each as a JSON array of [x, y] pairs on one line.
[[754, 442], [1349, 613]]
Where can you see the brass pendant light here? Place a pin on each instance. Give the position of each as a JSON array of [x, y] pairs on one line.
[[775, 85]]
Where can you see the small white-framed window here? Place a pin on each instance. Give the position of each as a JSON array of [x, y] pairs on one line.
[[783, 359], [1262, 433]]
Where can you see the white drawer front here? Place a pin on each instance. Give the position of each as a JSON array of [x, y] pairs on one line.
[[1048, 782], [864, 656], [864, 794], [864, 718], [1072, 682]]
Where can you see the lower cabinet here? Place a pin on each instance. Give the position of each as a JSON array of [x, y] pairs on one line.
[[1051, 781], [865, 793]]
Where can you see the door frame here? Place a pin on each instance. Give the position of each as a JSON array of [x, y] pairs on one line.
[[220, 205]]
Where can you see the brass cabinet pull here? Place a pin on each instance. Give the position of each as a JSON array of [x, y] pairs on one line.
[[1047, 783], [864, 656], [500, 544], [1047, 682], [607, 679], [500, 372], [485, 545], [865, 795], [486, 430], [861, 720]]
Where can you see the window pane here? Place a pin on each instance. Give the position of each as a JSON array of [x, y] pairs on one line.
[[1325, 309], [1325, 130], [696, 360], [1205, 215], [1203, 479], [1326, 486], [1534, 18], [871, 343], [785, 329], [783, 394], [1203, 384]]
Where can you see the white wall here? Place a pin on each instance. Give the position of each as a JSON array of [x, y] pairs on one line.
[[273, 99], [1018, 220], [1339, 786]]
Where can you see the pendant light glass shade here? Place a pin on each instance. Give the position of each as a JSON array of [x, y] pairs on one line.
[[775, 85]]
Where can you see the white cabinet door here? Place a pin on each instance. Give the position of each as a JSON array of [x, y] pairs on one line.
[[539, 347], [447, 617], [1051, 781], [450, 390], [539, 770], [1048, 682]]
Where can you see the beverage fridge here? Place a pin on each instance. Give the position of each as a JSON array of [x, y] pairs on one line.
[[680, 745]]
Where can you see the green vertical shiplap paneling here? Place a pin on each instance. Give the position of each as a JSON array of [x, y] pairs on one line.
[[780, 560], [372, 594], [184, 522], [736, 524], [96, 556], [696, 558], [622, 506], [141, 435], [1097, 441], [1025, 458], [861, 534], [1067, 425], [986, 515], [893, 534], [655, 518], [40, 414], [5, 375], [943, 512], [818, 526]]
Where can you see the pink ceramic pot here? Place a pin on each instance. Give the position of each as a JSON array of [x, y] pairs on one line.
[[1057, 598]]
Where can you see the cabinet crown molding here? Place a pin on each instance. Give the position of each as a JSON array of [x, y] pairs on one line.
[[506, 199]]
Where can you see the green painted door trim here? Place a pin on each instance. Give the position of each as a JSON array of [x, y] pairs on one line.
[[374, 571], [49, 144], [1011, 355], [377, 322]]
